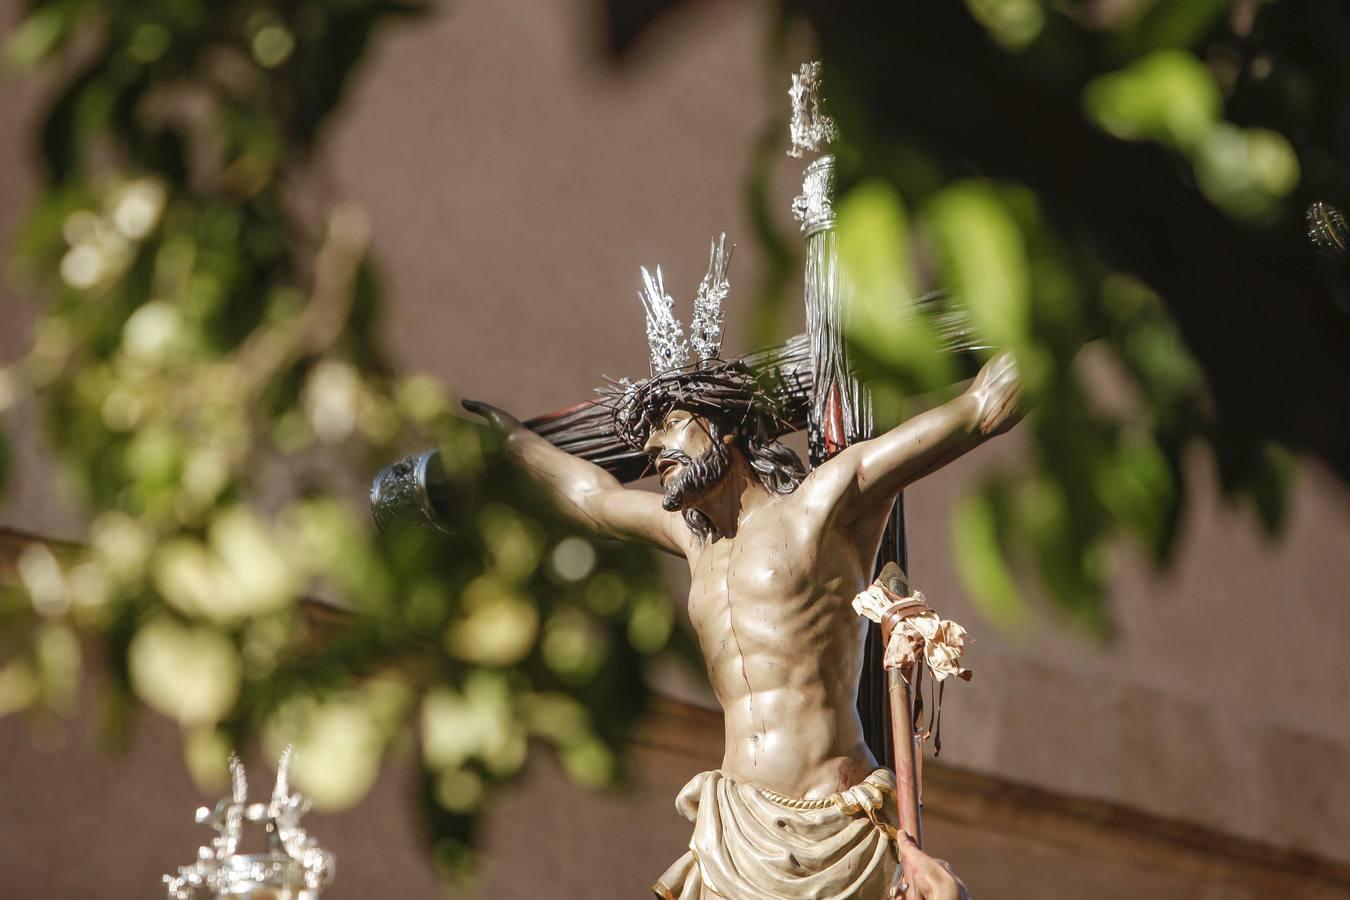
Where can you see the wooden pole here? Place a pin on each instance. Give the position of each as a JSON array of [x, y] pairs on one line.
[[906, 773], [906, 745]]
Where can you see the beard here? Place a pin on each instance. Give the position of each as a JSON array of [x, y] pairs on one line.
[[697, 476]]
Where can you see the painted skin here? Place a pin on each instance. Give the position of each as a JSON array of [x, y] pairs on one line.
[[770, 596]]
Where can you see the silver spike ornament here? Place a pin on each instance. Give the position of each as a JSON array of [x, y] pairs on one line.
[[705, 328], [665, 337]]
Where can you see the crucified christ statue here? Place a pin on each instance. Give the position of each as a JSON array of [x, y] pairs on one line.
[[775, 556], [799, 806]]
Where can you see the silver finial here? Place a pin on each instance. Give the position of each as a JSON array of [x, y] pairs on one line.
[[238, 780], [705, 328], [810, 128], [814, 206], [293, 866], [665, 337], [281, 792], [231, 827]]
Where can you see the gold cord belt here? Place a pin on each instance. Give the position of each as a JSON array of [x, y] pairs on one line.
[[862, 797], [798, 803], [866, 797]]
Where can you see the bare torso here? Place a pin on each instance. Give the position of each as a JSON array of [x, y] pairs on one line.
[[771, 607], [770, 597]]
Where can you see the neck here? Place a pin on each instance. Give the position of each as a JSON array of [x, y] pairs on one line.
[[734, 498]]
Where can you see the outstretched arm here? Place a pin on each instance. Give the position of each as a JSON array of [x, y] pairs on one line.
[[877, 469], [584, 492]]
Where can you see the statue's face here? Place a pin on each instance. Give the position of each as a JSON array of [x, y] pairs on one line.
[[688, 459], [681, 436]]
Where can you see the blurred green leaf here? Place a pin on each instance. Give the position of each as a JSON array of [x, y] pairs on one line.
[[1168, 96], [41, 34], [885, 327], [1169, 24], [980, 562], [983, 257], [1013, 23], [1268, 487], [1135, 486], [1246, 171]]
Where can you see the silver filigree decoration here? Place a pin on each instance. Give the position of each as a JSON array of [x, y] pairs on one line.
[[814, 206], [811, 129], [294, 864], [705, 328], [401, 492], [665, 337]]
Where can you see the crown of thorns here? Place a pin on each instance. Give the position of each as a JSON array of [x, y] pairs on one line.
[[729, 390]]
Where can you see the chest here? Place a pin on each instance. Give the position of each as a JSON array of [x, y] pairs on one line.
[[781, 567], [758, 567]]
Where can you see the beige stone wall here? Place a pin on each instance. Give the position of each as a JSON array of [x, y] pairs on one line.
[[516, 184]]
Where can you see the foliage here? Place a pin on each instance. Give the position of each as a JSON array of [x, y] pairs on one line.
[[213, 387], [1128, 177]]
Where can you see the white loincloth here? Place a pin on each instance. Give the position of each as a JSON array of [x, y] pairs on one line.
[[750, 843]]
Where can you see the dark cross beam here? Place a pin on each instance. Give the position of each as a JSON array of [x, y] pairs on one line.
[[419, 490]]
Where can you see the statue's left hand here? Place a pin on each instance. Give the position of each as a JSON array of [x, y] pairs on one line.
[[998, 390], [934, 879]]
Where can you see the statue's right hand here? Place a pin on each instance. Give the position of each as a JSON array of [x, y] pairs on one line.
[[500, 419], [934, 878]]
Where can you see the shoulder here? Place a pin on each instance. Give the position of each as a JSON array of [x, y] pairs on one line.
[[823, 487], [836, 473]]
